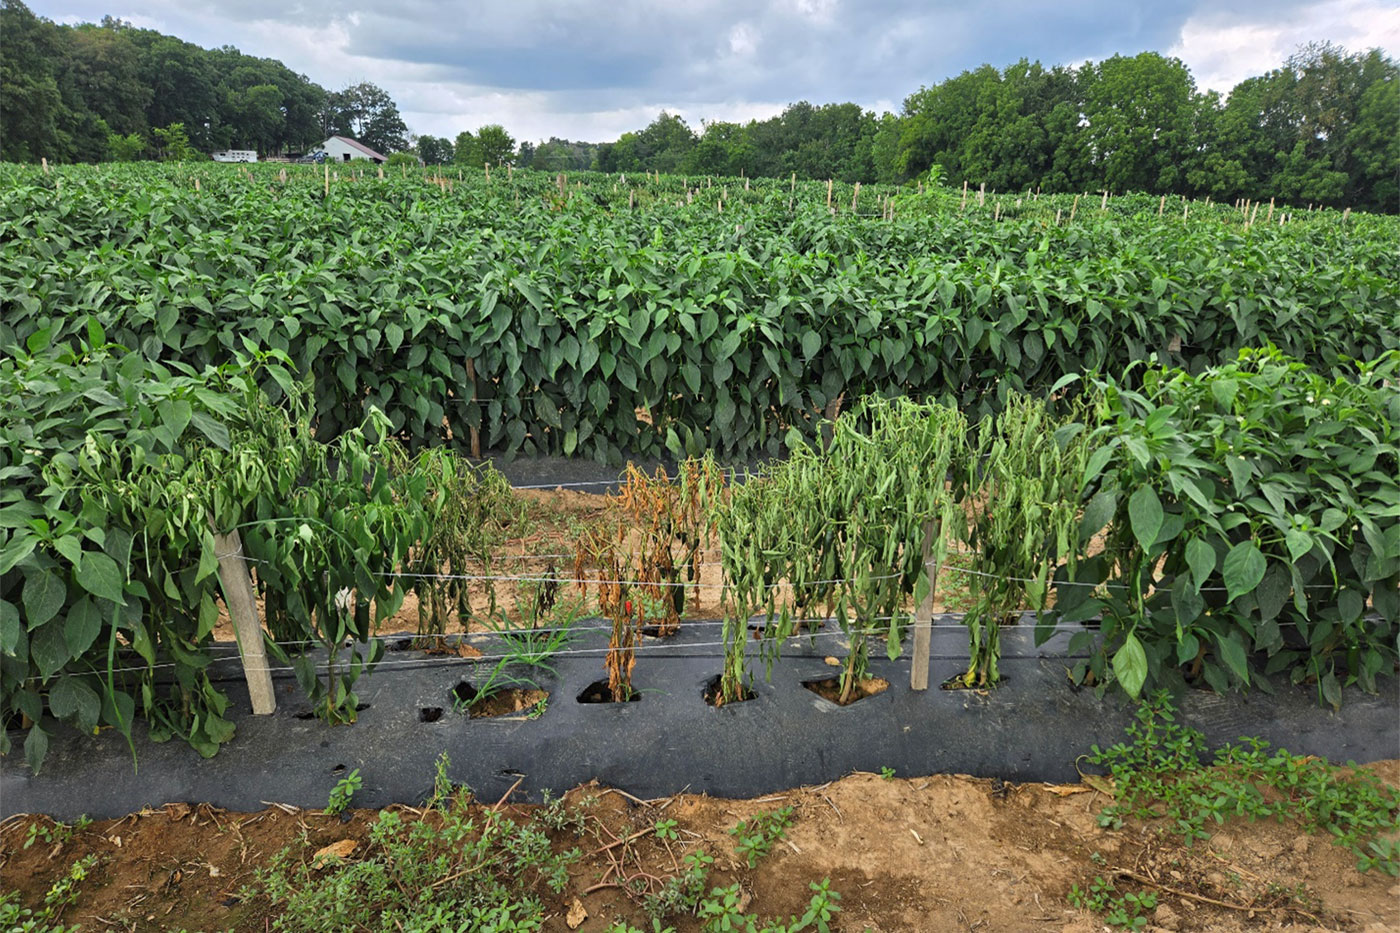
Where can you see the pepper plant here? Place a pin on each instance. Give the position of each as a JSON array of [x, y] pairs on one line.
[[1021, 499], [841, 528], [1253, 508]]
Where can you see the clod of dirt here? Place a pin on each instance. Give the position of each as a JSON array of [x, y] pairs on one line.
[[829, 688]]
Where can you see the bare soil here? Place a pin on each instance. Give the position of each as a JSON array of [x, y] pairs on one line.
[[946, 852]]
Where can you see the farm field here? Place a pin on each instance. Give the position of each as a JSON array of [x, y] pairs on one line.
[[1170, 430]]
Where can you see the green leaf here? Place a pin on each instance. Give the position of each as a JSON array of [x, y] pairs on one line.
[[36, 748], [1233, 654], [44, 594], [216, 433], [811, 344], [1130, 666], [81, 626], [1145, 516], [10, 629], [1243, 569], [100, 576], [71, 697], [49, 649], [1200, 557]]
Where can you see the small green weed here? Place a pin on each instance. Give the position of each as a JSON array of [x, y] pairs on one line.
[[757, 834], [1126, 910], [343, 792], [56, 833], [887, 773], [60, 896]]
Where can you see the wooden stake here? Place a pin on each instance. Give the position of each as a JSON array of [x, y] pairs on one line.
[[923, 618], [488, 170], [794, 181], [828, 194], [381, 173], [1270, 216], [475, 434], [45, 163], [1104, 206], [982, 194], [961, 204], [855, 196], [243, 611], [328, 179], [1058, 212], [1073, 207], [1162, 205]]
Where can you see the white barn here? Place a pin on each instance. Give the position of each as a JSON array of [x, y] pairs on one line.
[[343, 149]]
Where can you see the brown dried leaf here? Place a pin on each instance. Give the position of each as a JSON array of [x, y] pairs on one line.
[[336, 850], [577, 914], [1065, 790], [1101, 784]]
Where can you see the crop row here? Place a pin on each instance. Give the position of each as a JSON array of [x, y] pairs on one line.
[[541, 322]]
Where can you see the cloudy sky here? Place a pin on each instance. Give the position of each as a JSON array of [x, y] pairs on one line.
[[592, 69]]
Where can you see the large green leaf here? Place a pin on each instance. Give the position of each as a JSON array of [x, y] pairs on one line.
[[1243, 569], [1145, 516]]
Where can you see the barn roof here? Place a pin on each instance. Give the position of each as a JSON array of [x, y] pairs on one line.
[[355, 144]]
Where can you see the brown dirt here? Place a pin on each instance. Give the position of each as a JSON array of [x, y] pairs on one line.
[[938, 853], [829, 688]]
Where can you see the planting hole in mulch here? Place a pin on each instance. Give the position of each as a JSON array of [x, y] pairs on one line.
[[501, 702], [598, 692], [429, 713], [711, 693], [311, 713], [829, 688]]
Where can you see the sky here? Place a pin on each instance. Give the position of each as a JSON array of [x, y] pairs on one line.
[[594, 69]]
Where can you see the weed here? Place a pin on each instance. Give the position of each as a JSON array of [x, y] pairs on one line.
[[453, 867], [1124, 910], [343, 792], [1159, 773], [756, 835], [60, 896], [56, 834], [887, 773], [666, 829]]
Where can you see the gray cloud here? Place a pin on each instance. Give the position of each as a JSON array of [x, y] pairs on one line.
[[591, 69]]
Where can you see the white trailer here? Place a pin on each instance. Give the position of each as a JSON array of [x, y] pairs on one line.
[[236, 155]]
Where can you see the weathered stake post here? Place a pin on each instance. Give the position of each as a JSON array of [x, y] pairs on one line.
[[243, 611], [923, 615]]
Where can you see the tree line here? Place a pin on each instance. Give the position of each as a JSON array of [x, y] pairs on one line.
[[111, 91], [1324, 127]]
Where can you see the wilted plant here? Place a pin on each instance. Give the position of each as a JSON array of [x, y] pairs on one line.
[[645, 561], [1022, 507]]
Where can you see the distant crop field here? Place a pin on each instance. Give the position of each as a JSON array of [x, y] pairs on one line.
[[604, 315]]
